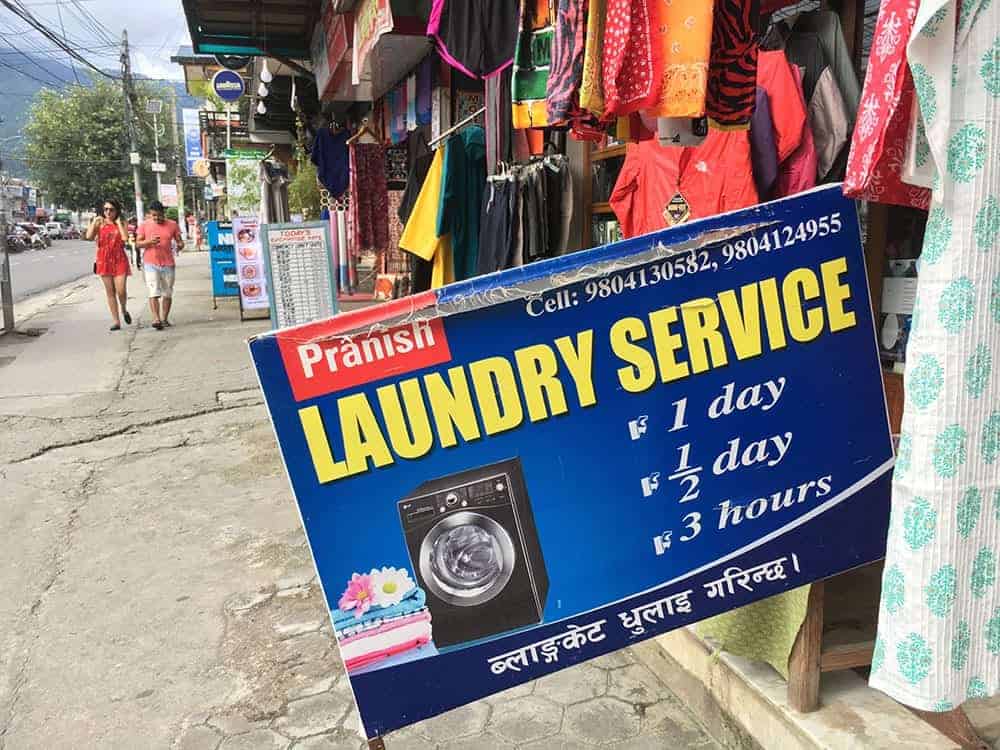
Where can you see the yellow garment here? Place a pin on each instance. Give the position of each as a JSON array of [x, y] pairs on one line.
[[685, 39], [592, 84], [420, 235]]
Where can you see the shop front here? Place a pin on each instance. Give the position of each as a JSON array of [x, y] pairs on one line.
[[470, 162]]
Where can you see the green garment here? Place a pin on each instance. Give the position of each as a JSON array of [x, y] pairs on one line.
[[764, 631], [463, 182]]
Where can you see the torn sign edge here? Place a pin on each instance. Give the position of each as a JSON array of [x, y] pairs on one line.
[[536, 279]]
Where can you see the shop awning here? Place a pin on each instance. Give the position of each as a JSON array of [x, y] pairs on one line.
[[259, 27]]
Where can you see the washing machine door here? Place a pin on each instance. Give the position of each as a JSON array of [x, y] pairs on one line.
[[466, 559]]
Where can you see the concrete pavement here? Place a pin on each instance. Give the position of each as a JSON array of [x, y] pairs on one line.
[[158, 590]]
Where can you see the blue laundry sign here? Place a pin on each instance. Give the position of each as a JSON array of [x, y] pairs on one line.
[[519, 472]]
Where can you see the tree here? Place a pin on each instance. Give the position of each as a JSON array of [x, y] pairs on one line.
[[77, 145]]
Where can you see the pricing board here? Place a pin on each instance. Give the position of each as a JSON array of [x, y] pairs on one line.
[[302, 284]]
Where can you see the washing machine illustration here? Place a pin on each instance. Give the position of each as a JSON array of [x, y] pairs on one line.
[[475, 551]]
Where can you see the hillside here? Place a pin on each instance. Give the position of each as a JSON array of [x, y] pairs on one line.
[[18, 88]]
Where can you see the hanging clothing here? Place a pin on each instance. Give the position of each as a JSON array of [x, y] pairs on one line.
[[499, 133], [463, 181], [784, 92], [829, 118], [798, 172], [763, 151], [628, 62], [532, 58], [709, 179], [874, 165], [498, 224], [369, 197], [825, 24], [732, 67], [592, 82], [939, 623], [682, 38], [329, 154], [420, 235], [562, 89], [420, 158], [558, 202], [425, 86], [475, 36]]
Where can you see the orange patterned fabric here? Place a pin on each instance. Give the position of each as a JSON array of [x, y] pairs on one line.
[[682, 36]]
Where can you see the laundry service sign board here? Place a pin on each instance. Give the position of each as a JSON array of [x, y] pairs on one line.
[[510, 475]]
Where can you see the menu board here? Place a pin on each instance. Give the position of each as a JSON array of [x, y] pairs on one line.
[[250, 263], [302, 285]]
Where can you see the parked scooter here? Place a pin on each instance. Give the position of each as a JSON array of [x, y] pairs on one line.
[[17, 242]]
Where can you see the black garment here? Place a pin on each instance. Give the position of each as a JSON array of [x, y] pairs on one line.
[[478, 34], [497, 228], [420, 159]]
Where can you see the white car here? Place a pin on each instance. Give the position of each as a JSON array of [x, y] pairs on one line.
[[54, 228]]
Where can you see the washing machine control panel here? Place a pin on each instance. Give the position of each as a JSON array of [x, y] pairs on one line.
[[482, 493]]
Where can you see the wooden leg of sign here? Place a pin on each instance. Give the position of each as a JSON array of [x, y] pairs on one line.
[[376, 743], [804, 662]]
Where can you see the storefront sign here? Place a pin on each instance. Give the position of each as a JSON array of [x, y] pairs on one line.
[[329, 45], [228, 85], [300, 273], [192, 139], [168, 194], [222, 255], [250, 264], [520, 472], [372, 19]]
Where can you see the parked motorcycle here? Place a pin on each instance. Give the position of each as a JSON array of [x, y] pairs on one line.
[[17, 242]]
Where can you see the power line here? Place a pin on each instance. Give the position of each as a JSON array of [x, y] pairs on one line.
[[62, 28], [25, 15], [25, 73]]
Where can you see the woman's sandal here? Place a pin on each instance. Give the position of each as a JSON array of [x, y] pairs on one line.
[[115, 327]]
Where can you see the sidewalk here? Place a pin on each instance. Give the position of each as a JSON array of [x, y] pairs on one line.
[[158, 590]]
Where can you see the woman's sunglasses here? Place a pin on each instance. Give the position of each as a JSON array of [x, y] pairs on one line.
[[108, 208]]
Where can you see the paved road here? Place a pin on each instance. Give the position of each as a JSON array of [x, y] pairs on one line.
[[34, 271]]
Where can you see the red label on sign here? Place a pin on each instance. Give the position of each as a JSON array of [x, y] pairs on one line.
[[338, 361]]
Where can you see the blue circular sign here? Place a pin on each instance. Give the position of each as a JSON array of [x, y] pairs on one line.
[[228, 85]]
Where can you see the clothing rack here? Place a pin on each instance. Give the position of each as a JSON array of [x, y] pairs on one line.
[[456, 127]]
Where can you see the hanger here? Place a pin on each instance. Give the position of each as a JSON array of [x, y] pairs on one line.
[[361, 131], [458, 126]]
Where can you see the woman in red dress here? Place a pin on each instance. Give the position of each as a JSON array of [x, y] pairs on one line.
[[112, 263]]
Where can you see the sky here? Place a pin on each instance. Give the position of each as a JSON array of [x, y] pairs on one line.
[[156, 28]]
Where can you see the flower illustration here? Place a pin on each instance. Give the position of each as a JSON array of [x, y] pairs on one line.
[[984, 572], [919, 523], [924, 382], [977, 371], [966, 152], [390, 585], [937, 235], [358, 595]]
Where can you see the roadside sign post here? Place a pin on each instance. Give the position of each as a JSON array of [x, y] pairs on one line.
[[6, 292]]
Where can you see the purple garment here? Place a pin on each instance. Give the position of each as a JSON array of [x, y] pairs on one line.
[[425, 82], [763, 150], [329, 154]]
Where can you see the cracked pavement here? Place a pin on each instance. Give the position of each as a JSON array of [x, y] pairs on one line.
[[158, 589]]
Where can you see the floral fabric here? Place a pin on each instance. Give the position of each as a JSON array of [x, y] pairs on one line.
[[939, 626], [878, 146], [369, 197]]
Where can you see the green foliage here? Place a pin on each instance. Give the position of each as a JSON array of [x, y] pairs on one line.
[[77, 144], [303, 190], [171, 213]]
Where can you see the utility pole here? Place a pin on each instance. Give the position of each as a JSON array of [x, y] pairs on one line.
[[130, 127], [180, 163], [6, 292]]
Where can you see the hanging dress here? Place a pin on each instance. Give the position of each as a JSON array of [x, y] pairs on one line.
[[939, 622]]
